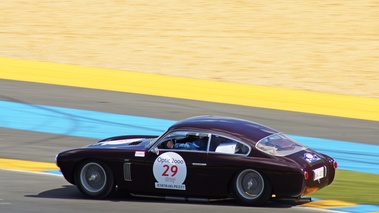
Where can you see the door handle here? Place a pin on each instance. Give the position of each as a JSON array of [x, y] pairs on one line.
[[199, 164]]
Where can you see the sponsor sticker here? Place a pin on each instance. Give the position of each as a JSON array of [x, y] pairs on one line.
[[170, 171], [311, 157], [139, 154]]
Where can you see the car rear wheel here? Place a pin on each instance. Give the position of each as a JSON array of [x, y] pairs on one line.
[[94, 179], [251, 188]]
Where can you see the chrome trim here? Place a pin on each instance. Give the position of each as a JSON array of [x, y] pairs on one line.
[[199, 164]]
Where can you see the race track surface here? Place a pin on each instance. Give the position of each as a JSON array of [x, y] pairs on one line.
[[45, 193], [36, 193]]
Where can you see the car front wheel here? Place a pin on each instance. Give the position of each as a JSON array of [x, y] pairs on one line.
[[251, 188], [94, 179]]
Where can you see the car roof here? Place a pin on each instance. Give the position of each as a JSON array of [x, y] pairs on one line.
[[243, 129]]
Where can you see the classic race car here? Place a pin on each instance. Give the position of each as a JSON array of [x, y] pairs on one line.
[[204, 157]]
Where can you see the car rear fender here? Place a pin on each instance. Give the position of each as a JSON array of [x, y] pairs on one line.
[[285, 176]]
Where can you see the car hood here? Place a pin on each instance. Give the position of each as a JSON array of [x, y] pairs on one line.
[[129, 143]]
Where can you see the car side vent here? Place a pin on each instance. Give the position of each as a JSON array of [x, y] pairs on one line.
[[127, 173]]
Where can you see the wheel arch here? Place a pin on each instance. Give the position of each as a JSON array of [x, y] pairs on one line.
[[108, 172], [78, 163], [266, 180]]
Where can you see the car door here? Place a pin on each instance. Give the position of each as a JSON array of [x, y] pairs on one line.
[[223, 157], [173, 171]]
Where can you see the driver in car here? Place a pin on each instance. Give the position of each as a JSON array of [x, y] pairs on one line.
[[198, 144]]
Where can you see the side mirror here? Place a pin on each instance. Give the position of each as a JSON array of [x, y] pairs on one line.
[[155, 150]]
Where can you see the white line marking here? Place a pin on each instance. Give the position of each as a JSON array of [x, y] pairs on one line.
[[32, 172]]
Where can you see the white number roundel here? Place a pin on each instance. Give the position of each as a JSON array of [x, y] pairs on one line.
[[170, 171]]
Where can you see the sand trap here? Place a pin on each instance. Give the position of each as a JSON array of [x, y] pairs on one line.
[[321, 46]]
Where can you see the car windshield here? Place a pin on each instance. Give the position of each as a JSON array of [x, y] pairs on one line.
[[151, 143], [279, 144]]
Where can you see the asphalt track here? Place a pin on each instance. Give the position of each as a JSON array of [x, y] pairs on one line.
[[36, 193], [45, 193], [350, 125], [21, 142]]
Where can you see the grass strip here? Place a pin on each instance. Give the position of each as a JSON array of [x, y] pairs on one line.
[[355, 187]]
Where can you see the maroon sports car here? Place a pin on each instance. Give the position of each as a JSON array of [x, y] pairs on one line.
[[204, 157]]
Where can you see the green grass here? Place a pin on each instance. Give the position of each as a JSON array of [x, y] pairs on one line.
[[355, 187]]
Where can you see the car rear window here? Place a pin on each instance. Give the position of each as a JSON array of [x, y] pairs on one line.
[[279, 144]]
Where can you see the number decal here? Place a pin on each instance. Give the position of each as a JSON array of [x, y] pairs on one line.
[[174, 170], [170, 171]]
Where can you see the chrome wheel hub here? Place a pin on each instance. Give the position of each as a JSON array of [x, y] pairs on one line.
[[93, 177]]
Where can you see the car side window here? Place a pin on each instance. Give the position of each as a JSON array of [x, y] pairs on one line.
[[185, 140], [220, 144]]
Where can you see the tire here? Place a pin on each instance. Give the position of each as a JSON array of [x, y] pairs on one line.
[[251, 188], [94, 179]]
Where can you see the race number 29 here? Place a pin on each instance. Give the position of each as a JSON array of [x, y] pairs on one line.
[[172, 169]]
